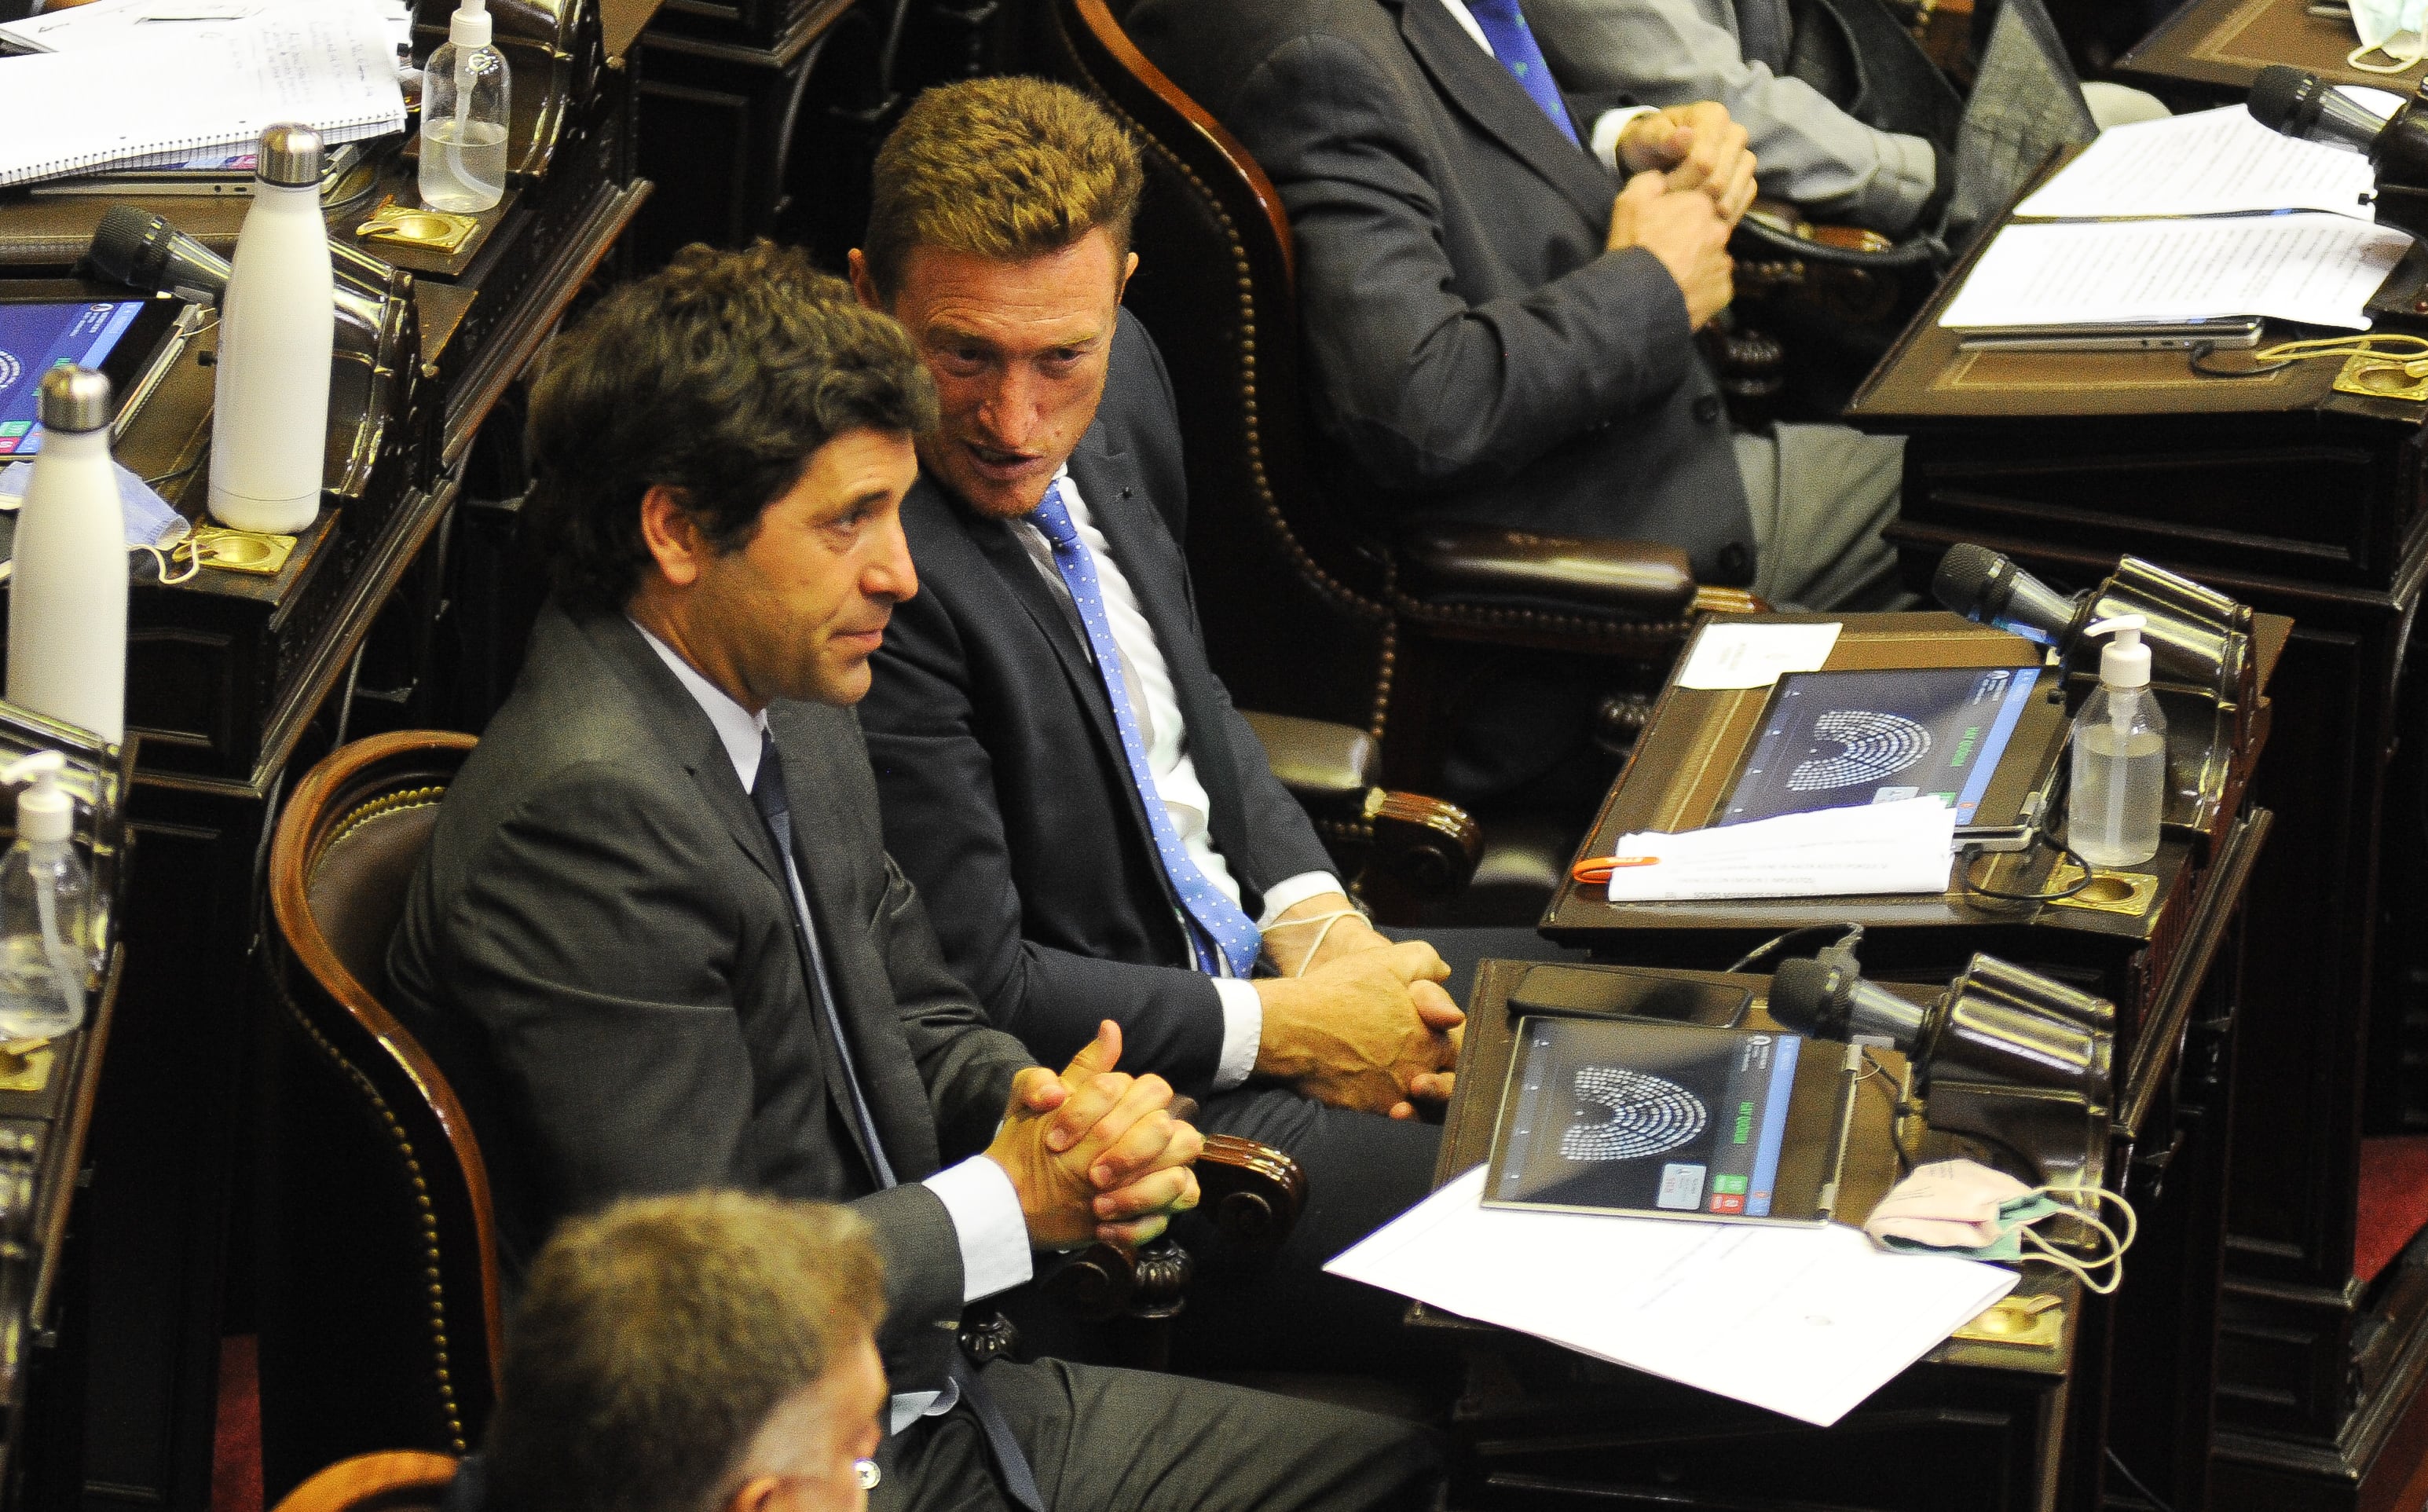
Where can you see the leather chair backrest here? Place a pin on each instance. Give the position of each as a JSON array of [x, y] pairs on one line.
[[1301, 626], [380, 1311]]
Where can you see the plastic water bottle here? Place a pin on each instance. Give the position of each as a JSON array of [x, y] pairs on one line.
[[46, 944], [278, 333], [2120, 755], [464, 98], [67, 592]]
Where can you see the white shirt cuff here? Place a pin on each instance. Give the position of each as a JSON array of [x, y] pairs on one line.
[[1244, 1031], [1290, 892], [988, 1222], [1606, 129]]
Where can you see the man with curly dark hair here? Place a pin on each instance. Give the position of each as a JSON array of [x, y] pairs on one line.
[[657, 945]]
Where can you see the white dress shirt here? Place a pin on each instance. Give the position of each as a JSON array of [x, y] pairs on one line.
[[1603, 140], [1156, 709], [978, 1194]]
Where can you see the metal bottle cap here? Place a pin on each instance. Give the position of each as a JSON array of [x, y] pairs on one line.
[[290, 156], [75, 399]]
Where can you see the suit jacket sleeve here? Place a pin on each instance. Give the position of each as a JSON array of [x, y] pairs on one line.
[[1676, 52], [603, 970], [1425, 391], [939, 793]]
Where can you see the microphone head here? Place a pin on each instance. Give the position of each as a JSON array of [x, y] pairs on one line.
[[123, 245], [1804, 993], [2279, 94], [1965, 576]]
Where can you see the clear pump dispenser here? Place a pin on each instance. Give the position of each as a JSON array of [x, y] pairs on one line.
[[464, 101], [2120, 755], [45, 909]]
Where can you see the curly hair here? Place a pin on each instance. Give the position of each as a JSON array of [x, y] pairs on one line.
[[717, 376], [1007, 169], [654, 1340]]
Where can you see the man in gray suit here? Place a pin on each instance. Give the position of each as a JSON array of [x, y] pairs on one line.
[[1499, 291], [657, 944]]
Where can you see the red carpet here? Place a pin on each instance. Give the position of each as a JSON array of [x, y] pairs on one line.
[[2393, 1200], [236, 1457]]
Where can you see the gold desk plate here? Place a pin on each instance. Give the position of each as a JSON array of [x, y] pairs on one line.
[[2380, 378], [409, 226], [232, 551], [25, 1065], [2026, 1322], [2125, 893]]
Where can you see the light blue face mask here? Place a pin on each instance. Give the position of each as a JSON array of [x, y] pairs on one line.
[[2392, 29], [150, 520]]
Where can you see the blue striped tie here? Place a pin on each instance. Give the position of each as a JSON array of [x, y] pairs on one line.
[[1513, 42], [1219, 925]]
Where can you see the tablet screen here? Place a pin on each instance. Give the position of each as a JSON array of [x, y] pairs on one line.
[[34, 338], [1646, 1118], [1834, 740]]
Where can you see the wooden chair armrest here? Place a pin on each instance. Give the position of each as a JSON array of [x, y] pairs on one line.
[[1427, 847], [1456, 565], [395, 1480]]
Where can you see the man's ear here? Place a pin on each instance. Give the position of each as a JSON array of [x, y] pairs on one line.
[[672, 536], [757, 1494], [1129, 267], [862, 284]]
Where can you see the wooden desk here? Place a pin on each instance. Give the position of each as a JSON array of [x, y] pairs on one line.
[[2209, 51], [2170, 965], [1974, 1426], [235, 683], [2300, 501]]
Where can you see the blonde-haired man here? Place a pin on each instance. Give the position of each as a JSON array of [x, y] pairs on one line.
[[1061, 772]]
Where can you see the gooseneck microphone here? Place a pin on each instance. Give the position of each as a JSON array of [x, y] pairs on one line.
[[143, 251], [1996, 1023], [2295, 103], [1988, 589], [2303, 105]]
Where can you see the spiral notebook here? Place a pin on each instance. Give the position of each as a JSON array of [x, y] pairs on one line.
[[144, 104]]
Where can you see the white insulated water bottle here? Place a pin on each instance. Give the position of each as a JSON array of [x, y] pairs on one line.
[[67, 591], [269, 429]]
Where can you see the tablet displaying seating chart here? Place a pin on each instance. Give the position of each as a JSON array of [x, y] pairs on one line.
[[1834, 740]]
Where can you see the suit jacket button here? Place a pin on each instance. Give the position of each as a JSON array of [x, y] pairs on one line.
[[1707, 408], [1736, 566]]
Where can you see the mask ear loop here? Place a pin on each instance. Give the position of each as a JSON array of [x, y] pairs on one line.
[[2112, 1263], [2399, 62], [162, 559]]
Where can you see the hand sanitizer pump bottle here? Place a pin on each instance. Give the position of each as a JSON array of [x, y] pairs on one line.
[[67, 593], [278, 325], [45, 909], [464, 98], [2120, 755]]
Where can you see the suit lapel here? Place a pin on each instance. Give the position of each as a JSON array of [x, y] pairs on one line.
[[1478, 87], [704, 756]]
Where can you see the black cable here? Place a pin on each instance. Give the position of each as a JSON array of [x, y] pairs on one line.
[[173, 472], [2134, 1481], [2200, 350], [1973, 854], [1776, 941]]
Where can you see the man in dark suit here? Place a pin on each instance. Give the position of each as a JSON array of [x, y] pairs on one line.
[[1499, 287], [658, 945], [1093, 854]]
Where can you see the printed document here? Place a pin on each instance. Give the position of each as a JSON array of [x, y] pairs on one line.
[[1753, 656], [1806, 1322], [2319, 270], [1898, 846], [2211, 162]]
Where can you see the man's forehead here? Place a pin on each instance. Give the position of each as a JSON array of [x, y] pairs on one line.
[[1063, 297]]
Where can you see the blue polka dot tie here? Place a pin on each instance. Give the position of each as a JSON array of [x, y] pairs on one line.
[[1220, 927], [1505, 26]]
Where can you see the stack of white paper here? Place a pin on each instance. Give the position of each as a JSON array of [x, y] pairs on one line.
[[2319, 270], [141, 102], [1808, 1322], [2209, 162], [1901, 846]]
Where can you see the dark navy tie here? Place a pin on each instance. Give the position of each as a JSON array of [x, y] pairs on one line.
[[776, 809], [1505, 26], [1220, 924]]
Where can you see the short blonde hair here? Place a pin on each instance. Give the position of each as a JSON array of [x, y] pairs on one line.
[[655, 1340], [1007, 169]]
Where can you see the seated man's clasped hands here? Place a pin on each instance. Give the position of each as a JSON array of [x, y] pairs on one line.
[[1094, 1154], [1691, 182]]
